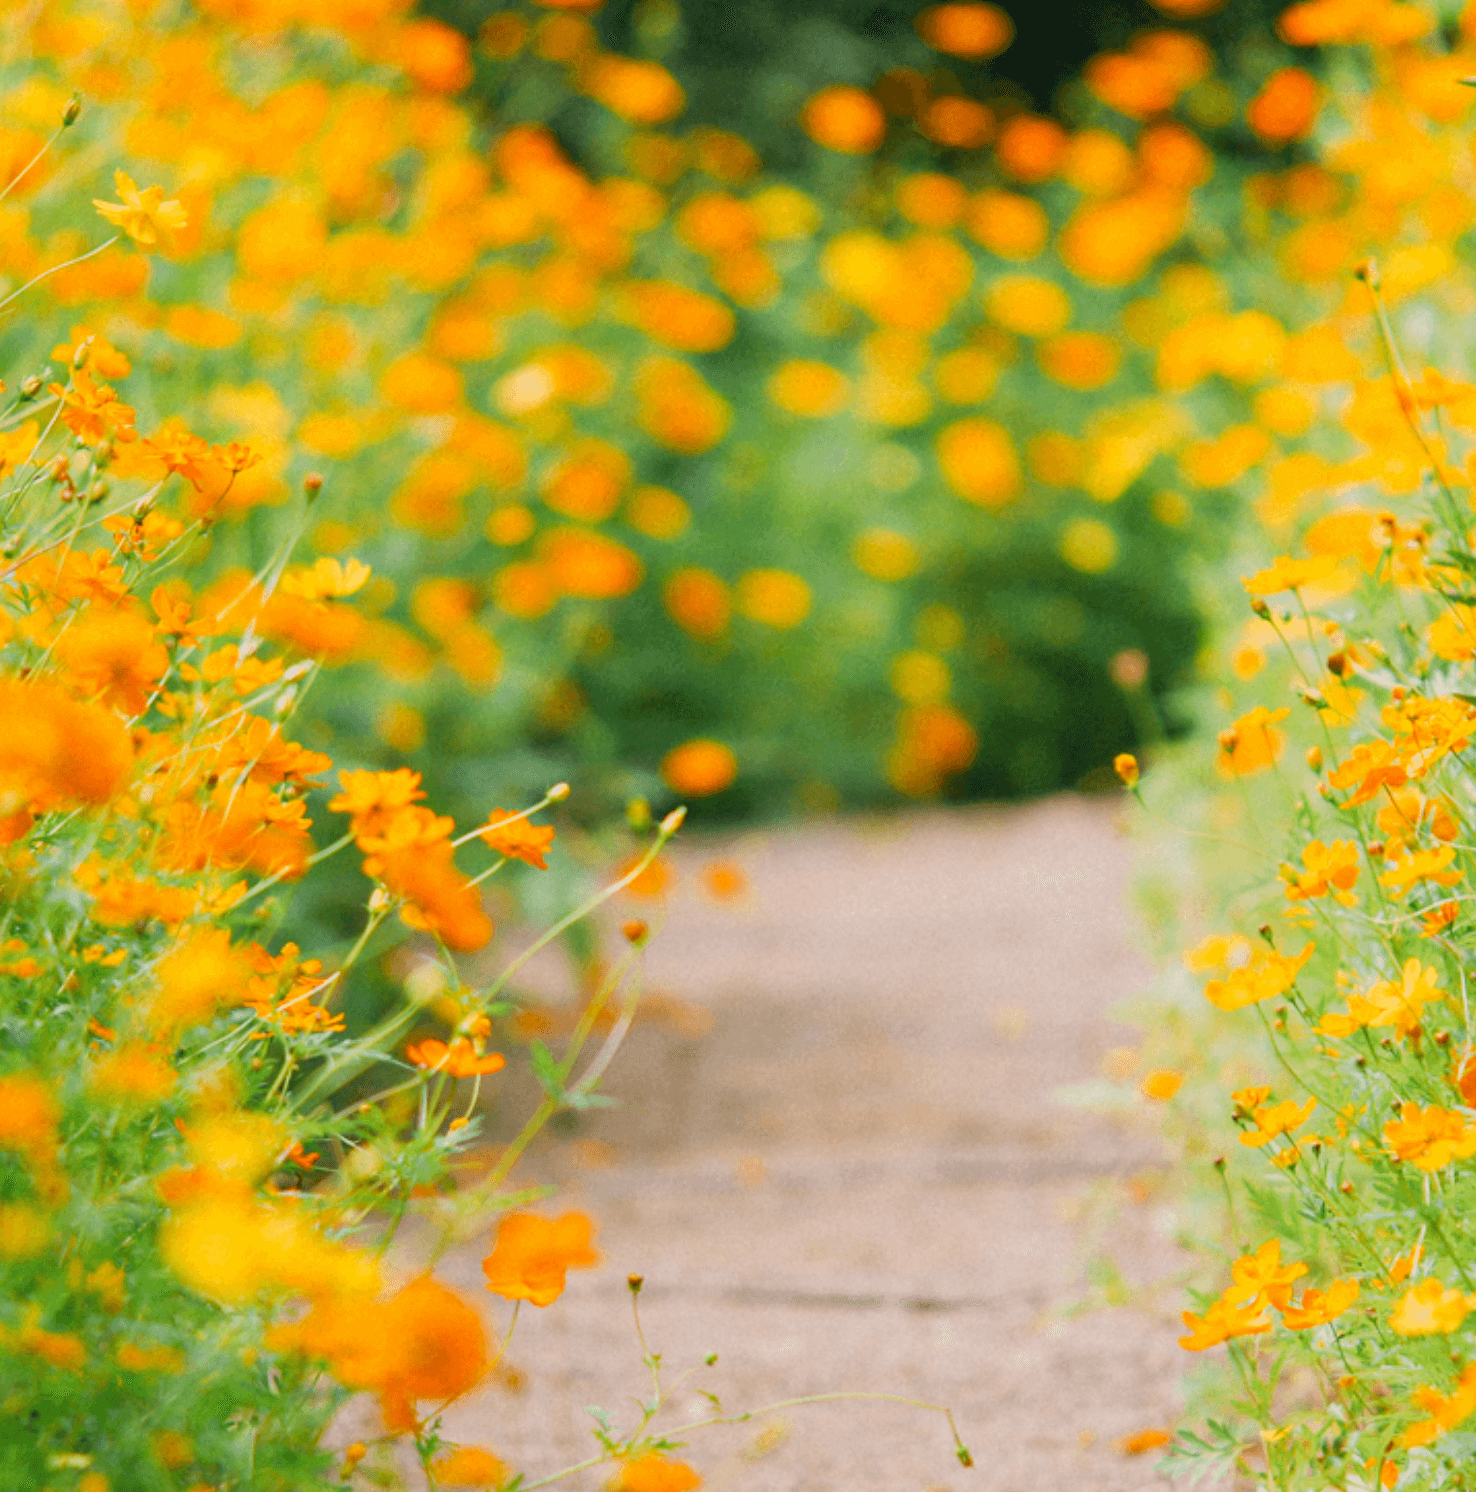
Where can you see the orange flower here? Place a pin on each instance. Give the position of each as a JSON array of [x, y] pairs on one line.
[[845, 119], [143, 215], [469, 1466], [461, 1059], [1252, 744], [966, 28], [1430, 1138], [1317, 1308], [1446, 1411], [532, 1255], [423, 1343], [1286, 107], [697, 769], [1262, 976], [1261, 1278], [512, 835], [1428, 1309], [1221, 1322], [1328, 868], [93, 411], [655, 1473]]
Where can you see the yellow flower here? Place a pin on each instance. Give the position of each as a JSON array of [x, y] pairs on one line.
[[1264, 977], [1431, 1137], [1317, 1308], [1428, 1308], [1277, 1119], [1261, 1278], [143, 215]]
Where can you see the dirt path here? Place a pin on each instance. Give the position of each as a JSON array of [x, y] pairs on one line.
[[858, 1178]]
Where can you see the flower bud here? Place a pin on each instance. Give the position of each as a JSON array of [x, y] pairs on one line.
[[635, 1282], [674, 820], [73, 111], [1125, 764], [312, 484], [1314, 758], [635, 931], [558, 792]]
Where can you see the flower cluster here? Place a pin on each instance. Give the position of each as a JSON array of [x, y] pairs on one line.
[[1338, 1005], [193, 1155]]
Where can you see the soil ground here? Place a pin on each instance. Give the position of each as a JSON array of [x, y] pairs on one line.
[[842, 1163]]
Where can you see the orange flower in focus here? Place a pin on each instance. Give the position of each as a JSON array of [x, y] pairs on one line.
[[655, 1473], [1286, 107], [143, 215], [845, 119], [461, 1059], [511, 834], [698, 769], [1317, 1308], [1222, 1322], [532, 1255]]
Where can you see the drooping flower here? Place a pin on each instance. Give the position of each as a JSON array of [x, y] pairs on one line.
[[1318, 1307], [512, 835]]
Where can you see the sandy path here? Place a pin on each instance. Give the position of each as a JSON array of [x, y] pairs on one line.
[[859, 1178]]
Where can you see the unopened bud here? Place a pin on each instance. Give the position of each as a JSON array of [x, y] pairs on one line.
[[1376, 848], [638, 814], [312, 484], [1314, 758], [31, 386], [80, 356], [73, 111], [352, 1455], [635, 1281], [1346, 1188], [1125, 764], [558, 792], [1229, 740], [965, 1459], [1368, 272], [710, 1359], [1337, 664], [1314, 697], [674, 820], [1261, 609], [635, 931]]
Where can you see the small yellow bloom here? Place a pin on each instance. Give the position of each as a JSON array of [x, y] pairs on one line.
[[143, 215], [1125, 764]]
